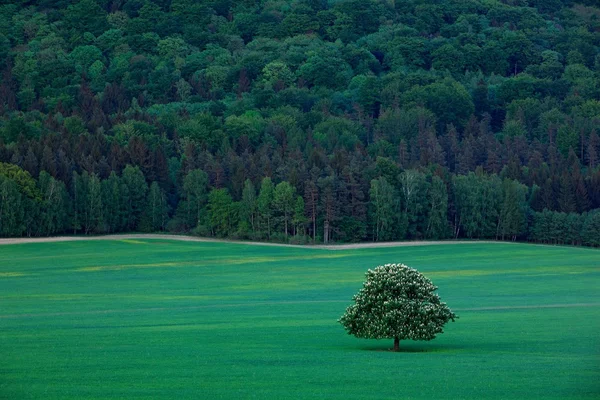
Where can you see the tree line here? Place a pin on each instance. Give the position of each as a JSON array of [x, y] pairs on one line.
[[417, 204]]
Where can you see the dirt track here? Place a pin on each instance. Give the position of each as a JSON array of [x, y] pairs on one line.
[[197, 239]]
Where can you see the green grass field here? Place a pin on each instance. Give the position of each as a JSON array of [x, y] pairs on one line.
[[160, 319]]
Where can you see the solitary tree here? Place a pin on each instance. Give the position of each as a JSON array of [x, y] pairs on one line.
[[396, 302]]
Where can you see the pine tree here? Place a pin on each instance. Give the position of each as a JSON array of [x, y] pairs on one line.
[[195, 192], [311, 201], [566, 198], [592, 150], [134, 190], [329, 206], [113, 203], [248, 207], [265, 206]]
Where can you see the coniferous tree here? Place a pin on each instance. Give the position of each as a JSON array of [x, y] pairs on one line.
[[133, 190], [566, 197], [265, 206], [284, 196], [113, 204], [248, 208], [329, 206], [311, 201], [593, 150], [195, 197]]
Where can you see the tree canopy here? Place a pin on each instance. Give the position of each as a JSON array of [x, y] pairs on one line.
[[396, 302]]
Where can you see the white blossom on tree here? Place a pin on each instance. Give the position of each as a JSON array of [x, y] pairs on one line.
[[396, 302]]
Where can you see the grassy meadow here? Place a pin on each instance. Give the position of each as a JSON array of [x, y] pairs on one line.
[[161, 319]]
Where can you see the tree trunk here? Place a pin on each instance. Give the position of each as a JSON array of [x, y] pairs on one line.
[[396, 344]]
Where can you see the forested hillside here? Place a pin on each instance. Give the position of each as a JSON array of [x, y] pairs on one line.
[[302, 120]]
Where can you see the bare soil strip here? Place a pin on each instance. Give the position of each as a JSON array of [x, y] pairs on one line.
[[271, 303], [199, 239]]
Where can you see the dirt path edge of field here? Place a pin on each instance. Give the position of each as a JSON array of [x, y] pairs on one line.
[[200, 239]]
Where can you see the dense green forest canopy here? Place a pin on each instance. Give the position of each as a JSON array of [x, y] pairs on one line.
[[302, 120]]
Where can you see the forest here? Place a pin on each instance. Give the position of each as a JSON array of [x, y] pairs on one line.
[[302, 121]]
